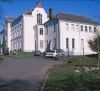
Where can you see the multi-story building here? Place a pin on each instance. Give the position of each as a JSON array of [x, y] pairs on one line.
[[70, 33], [26, 33], [8, 33], [34, 30], [2, 42]]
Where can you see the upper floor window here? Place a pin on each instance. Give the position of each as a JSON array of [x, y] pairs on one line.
[[95, 29], [77, 27], [54, 25], [39, 18], [85, 28], [41, 31], [81, 27], [72, 27], [46, 30], [67, 26], [90, 29]]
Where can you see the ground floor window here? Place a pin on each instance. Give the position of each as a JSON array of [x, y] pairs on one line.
[[41, 43], [67, 43], [73, 43]]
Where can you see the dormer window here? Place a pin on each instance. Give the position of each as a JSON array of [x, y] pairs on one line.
[[39, 18]]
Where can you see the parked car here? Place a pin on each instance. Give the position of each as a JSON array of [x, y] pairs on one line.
[[55, 53], [37, 53]]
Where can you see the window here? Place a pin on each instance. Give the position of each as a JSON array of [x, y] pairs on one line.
[[73, 43], [82, 44], [47, 42], [72, 27], [67, 26], [41, 43], [67, 43], [81, 28], [77, 27], [46, 30], [90, 29], [41, 31], [85, 28], [54, 27], [15, 27], [95, 29], [39, 18], [55, 43]]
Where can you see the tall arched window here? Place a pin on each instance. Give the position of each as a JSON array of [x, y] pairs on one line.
[[39, 18]]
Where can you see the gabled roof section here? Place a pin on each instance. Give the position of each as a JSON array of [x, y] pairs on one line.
[[16, 21], [75, 18], [29, 12]]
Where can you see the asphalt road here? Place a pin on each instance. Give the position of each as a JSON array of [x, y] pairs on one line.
[[24, 74]]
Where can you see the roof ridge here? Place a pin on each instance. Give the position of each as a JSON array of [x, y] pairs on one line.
[[77, 18]]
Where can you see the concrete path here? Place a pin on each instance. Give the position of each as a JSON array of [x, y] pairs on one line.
[[24, 74]]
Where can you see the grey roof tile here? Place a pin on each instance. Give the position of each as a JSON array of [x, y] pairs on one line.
[[75, 18]]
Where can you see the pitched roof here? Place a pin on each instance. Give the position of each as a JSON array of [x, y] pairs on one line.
[[10, 19], [75, 18], [29, 12]]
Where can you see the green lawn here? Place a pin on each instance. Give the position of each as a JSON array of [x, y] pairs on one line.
[[84, 60], [24, 54], [65, 78]]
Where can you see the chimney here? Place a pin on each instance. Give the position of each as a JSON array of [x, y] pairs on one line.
[[51, 14]]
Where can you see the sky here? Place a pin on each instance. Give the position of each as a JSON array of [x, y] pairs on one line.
[[87, 8]]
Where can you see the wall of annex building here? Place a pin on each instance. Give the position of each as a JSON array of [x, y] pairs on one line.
[[17, 35], [51, 36], [8, 36], [73, 30], [28, 33], [40, 38], [1, 43]]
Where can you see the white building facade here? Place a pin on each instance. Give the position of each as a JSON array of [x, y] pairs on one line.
[[35, 31], [26, 33], [2, 41], [70, 33]]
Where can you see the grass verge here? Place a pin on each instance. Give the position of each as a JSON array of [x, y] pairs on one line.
[[84, 60], [65, 78], [23, 54]]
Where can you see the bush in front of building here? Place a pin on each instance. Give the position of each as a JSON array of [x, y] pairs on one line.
[[24, 54], [6, 52]]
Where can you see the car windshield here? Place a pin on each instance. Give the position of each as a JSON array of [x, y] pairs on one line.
[[52, 51], [60, 50]]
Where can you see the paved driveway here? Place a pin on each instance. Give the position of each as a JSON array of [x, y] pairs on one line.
[[24, 74]]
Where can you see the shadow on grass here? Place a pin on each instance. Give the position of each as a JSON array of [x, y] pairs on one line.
[[19, 85]]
